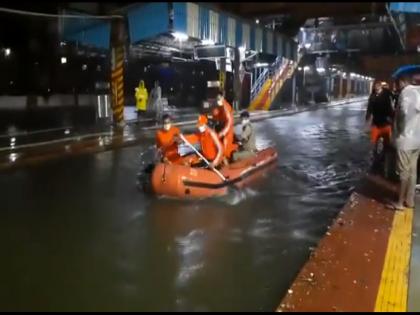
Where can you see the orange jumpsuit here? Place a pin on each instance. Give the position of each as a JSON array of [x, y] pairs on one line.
[[211, 146], [224, 114], [165, 140]]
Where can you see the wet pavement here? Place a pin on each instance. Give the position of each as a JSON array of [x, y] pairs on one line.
[[76, 234]]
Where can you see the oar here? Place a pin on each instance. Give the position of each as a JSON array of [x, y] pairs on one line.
[[203, 158]]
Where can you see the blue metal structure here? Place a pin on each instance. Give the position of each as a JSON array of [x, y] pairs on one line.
[[196, 20], [199, 21], [87, 31], [406, 7], [147, 20]]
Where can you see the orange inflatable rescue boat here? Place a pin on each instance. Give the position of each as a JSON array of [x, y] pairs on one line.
[[181, 181]]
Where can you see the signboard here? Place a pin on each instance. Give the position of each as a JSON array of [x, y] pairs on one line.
[[210, 52]]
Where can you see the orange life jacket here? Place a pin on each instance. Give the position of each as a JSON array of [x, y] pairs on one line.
[[165, 140], [211, 146], [224, 114]]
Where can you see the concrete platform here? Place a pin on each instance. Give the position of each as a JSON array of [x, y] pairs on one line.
[[362, 263]]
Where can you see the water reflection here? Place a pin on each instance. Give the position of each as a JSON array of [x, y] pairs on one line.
[[84, 237]]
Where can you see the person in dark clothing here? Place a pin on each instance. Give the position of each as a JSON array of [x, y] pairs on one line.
[[380, 111]]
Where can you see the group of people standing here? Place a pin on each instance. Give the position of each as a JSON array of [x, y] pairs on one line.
[[395, 116], [149, 103], [217, 145]]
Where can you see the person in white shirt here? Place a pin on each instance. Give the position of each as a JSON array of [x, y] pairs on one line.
[[407, 142]]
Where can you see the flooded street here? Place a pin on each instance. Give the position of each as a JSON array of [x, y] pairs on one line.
[[77, 235]]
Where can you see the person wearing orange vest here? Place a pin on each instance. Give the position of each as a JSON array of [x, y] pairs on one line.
[[211, 146], [223, 113], [167, 141]]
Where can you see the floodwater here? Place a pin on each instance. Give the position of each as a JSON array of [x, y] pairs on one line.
[[77, 235]]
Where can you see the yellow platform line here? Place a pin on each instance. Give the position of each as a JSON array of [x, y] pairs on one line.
[[393, 289]]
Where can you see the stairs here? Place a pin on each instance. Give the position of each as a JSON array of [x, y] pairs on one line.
[[268, 85]]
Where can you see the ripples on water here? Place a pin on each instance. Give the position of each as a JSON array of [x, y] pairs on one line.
[[115, 248], [275, 222]]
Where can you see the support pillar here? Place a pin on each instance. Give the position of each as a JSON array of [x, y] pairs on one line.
[[294, 90], [237, 82], [340, 87], [332, 85], [117, 71], [348, 85], [222, 76]]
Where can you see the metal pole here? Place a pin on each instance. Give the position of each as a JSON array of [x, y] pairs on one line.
[[237, 86], [294, 91]]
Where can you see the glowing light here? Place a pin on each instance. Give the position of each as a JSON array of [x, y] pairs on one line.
[[63, 60], [66, 132], [207, 42], [7, 52], [306, 68], [261, 64], [13, 157], [257, 21], [180, 36], [320, 69], [307, 45]]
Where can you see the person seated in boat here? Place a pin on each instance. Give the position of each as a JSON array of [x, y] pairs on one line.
[[211, 146], [167, 141], [223, 113], [246, 139]]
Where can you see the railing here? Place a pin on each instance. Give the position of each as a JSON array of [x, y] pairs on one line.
[[259, 82]]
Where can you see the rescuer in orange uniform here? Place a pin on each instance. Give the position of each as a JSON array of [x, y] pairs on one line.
[[223, 113], [211, 146], [167, 141]]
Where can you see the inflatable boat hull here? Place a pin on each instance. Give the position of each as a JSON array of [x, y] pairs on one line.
[[186, 182]]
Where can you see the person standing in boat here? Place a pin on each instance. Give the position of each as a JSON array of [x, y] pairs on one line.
[[223, 113], [167, 141], [211, 146], [247, 147]]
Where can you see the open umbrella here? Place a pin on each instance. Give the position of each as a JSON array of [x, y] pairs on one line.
[[404, 70]]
